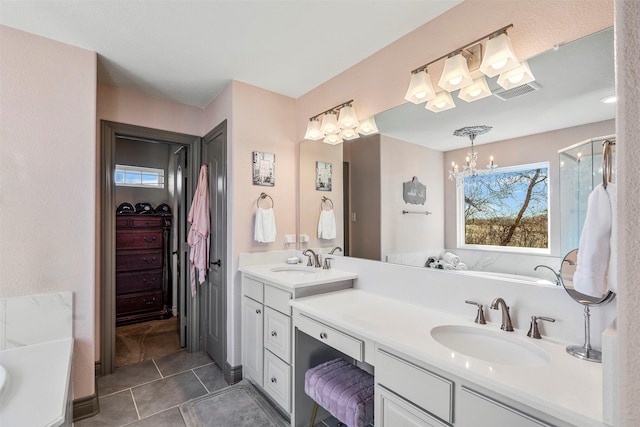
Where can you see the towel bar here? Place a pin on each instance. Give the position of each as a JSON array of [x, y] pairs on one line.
[[262, 197]]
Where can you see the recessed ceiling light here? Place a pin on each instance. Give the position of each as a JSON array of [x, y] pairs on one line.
[[609, 99]]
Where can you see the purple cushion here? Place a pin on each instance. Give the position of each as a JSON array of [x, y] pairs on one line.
[[343, 389]]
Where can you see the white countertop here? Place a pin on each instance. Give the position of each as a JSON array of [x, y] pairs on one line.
[[567, 388], [38, 381], [304, 276]]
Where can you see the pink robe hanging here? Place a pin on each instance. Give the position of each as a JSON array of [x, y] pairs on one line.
[[198, 238]]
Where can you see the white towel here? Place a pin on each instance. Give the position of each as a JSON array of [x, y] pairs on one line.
[[462, 267], [451, 258], [613, 264], [265, 227], [327, 224], [595, 244]]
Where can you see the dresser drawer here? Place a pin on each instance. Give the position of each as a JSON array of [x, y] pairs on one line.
[[277, 334], [419, 386], [149, 301], [352, 347], [138, 239], [277, 299], [144, 221], [253, 289], [138, 281], [138, 260], [277, 380]]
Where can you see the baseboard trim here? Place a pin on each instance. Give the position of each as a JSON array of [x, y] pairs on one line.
[[232, 374], [85, 407]]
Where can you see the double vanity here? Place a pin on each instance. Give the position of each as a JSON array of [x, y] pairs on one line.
[[431, 368]]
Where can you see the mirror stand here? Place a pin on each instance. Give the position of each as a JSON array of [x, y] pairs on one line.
[[585, 352]]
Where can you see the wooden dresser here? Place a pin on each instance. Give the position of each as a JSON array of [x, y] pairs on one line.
[[142, 272]]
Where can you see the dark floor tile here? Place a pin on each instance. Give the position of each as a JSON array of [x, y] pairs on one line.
[[169, 418], [180, 362], [116, 410], [127, 377], [166, 393], [212, 377]]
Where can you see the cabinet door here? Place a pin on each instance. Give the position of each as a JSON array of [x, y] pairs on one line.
[[477, 410], [252, 339], [277, 380], [393, 411]]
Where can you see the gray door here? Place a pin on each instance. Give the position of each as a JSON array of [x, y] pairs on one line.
[[180, 247], [214, 154]]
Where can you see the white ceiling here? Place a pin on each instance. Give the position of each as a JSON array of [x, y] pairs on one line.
[[187, 51]]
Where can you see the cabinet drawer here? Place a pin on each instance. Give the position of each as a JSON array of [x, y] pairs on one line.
[[138, 239], [252, 288], [352, 347], [138, 281], [138, 260], [277, 299], [142, 221], [277, 334], [277, 380], [419, 386], [393, 411], [149, 301]]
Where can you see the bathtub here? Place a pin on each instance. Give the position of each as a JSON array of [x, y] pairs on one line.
[[507, 276]]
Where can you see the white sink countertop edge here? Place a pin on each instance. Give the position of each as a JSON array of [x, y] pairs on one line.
[[567, 388], [292, 281]]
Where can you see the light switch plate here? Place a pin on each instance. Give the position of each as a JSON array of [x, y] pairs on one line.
[[289, 238], [304, 238]]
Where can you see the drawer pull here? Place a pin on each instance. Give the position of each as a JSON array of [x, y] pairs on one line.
[[153, 239], [149, 261], [148, 302], [274, 334], [274, 380], [258, 311], [323, 335]]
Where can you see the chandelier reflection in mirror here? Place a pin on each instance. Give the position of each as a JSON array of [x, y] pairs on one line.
[[339, 123], [466, 69], [470, 169]]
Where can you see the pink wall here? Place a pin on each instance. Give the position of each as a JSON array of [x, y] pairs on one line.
[[541, 147], [48, 171]]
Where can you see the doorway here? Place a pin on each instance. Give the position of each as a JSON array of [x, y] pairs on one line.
[[187, 153]]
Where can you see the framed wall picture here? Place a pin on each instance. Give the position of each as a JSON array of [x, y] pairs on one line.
[[323, 176], [264, 172]]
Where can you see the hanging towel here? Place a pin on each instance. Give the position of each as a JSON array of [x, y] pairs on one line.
[[265, 227], [451, 258], [612, 191], [594, 251], [327, 224], [198, 238]]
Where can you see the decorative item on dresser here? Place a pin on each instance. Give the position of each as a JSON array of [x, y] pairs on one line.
[[142, 272]]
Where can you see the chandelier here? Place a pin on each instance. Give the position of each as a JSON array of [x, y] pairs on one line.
[[470, 169]]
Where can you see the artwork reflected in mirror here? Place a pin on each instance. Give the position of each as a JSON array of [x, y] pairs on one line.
[[324, 176]]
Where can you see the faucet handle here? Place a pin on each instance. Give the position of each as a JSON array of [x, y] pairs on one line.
[[480, 315], [327, 263], [534, 332]]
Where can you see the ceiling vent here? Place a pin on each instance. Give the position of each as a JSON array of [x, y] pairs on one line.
[[515, 92]]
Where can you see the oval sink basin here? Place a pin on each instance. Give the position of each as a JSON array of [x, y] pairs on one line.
[[294, 270], [489, 345]]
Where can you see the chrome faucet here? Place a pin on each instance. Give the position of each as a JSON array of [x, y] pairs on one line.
[[316, 261], [558, 276], [337, 248], [506, 319]]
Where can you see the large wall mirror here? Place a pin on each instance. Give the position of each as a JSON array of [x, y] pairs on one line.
[[563, 109]]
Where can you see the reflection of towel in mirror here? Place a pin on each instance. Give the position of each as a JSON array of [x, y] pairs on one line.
[[451, 258], [265, 227], [595, 244], [327, 224]]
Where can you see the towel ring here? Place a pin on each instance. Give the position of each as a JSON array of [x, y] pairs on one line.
[[325, 199], [607, 162], [262, 197]]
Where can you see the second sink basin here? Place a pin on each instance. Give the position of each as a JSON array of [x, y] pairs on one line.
[[489, 345], [294, 269]]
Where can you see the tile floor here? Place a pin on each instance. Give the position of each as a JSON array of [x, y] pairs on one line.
[[149, 393]]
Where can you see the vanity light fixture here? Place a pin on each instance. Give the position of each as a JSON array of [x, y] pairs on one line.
[[337, 124], [470, 169], [465, 63], [611, 99]]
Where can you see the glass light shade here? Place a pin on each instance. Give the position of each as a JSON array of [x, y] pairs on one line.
[[329, 124], [349, 134], [441, 102], [368, 126], [516, 77], [347, 118], [333, 139], [499, 56], [477, 90], [313, 130], [455, 74], [420, 88]]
